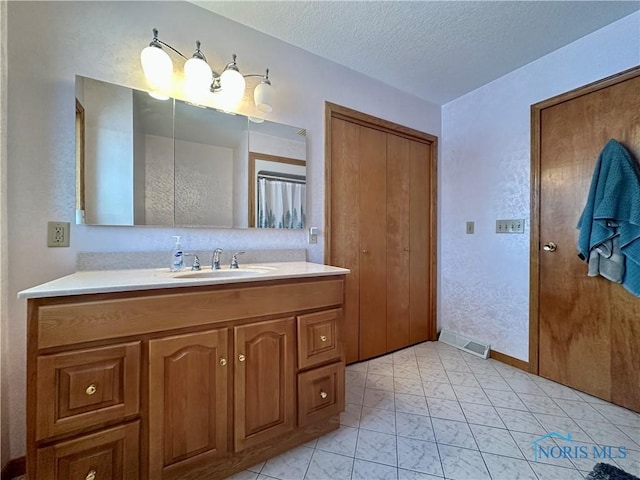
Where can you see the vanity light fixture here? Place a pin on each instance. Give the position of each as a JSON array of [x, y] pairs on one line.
[[199, 78]]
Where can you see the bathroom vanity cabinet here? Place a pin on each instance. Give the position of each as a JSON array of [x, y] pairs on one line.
[[181, 383]]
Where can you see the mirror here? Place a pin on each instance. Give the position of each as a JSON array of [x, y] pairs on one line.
[[144, 161]]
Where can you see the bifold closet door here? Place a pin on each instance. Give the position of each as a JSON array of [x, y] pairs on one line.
[[398, 241], [420, 289], [407, 242], [381, 180], [345, 224], [373, 242]]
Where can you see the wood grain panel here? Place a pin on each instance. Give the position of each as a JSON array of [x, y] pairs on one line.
[[68, 323], [398, 241], [373, 243], [265, 354], [320, 393], [319, 338], [344, 227], [109, 454], [586, 324], [87, 388], [187, 402], [421, 318]]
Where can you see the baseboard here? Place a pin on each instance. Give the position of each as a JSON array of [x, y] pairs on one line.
[[508, 360], [15, 468]]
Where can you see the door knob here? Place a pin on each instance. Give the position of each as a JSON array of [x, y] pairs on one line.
[[550, 247], [223, 362], [241, 357], [365, 251]]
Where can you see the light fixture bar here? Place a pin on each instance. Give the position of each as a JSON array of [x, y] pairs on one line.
[[200, 78]]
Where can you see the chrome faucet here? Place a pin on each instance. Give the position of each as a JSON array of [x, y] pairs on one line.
[[234, 260], [196, 261], [215, 259]]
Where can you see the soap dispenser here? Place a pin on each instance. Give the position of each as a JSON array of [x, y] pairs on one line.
[[177, 256]]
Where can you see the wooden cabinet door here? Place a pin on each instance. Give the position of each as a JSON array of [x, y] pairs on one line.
[[188, 413], [264, 397]]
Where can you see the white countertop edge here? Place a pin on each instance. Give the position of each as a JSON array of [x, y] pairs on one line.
[[110, 281]]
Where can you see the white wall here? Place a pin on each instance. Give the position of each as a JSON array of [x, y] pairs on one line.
[[485, 176], [50, 42]]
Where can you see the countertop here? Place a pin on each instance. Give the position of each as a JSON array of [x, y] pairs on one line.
[[108, 281]]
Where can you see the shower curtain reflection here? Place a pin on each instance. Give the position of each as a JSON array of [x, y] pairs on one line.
[[281, 201]]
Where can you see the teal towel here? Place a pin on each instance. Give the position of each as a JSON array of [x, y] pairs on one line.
[[614, 199]]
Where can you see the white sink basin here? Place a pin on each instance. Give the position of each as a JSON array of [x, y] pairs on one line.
[[227, 273]]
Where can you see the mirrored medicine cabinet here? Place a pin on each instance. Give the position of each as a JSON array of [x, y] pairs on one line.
[[144, 161]]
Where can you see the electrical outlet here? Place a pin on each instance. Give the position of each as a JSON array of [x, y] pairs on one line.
[[510, 226], [470, 228], [58, 234]]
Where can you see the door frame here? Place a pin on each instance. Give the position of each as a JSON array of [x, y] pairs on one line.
[[332, 111], [534, 262]]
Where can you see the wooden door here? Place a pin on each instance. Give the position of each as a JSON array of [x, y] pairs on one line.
[[398, 241], [264, 381], [588, 326], [422, 251], [188, 411], [373, 242], [381, 224], [344, 234]]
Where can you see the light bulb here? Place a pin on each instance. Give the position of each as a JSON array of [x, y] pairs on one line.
[[197, 76], [262, 96], [157, 67], [232, 86]]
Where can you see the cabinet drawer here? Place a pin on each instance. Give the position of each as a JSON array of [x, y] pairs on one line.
[[86, 388], [107, 455], [318, 338], [320, 393]]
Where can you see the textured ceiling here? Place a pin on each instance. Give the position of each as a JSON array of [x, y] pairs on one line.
[[436, 50]]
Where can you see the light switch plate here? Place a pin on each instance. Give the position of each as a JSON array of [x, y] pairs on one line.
[[313, 234], [510, 226], [471, 228]]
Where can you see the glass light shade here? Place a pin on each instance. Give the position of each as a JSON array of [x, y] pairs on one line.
[[157, 67], [232, 83], [262, 96], [197, 75]]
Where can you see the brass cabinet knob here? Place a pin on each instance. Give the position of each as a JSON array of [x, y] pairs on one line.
[[223, 362], [91, 475], [365, 251], [550, 247], [91, 389], [323, 394], [241, 357], [323, 338]]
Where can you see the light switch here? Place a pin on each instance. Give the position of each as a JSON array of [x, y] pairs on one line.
[[313, 234], [471, 228], [510, 226]]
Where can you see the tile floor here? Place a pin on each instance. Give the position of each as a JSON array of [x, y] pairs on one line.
[[433, 412]]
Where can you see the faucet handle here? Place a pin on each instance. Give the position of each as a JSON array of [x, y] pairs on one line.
[[234, 260], [215, 259], [196, 261]]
